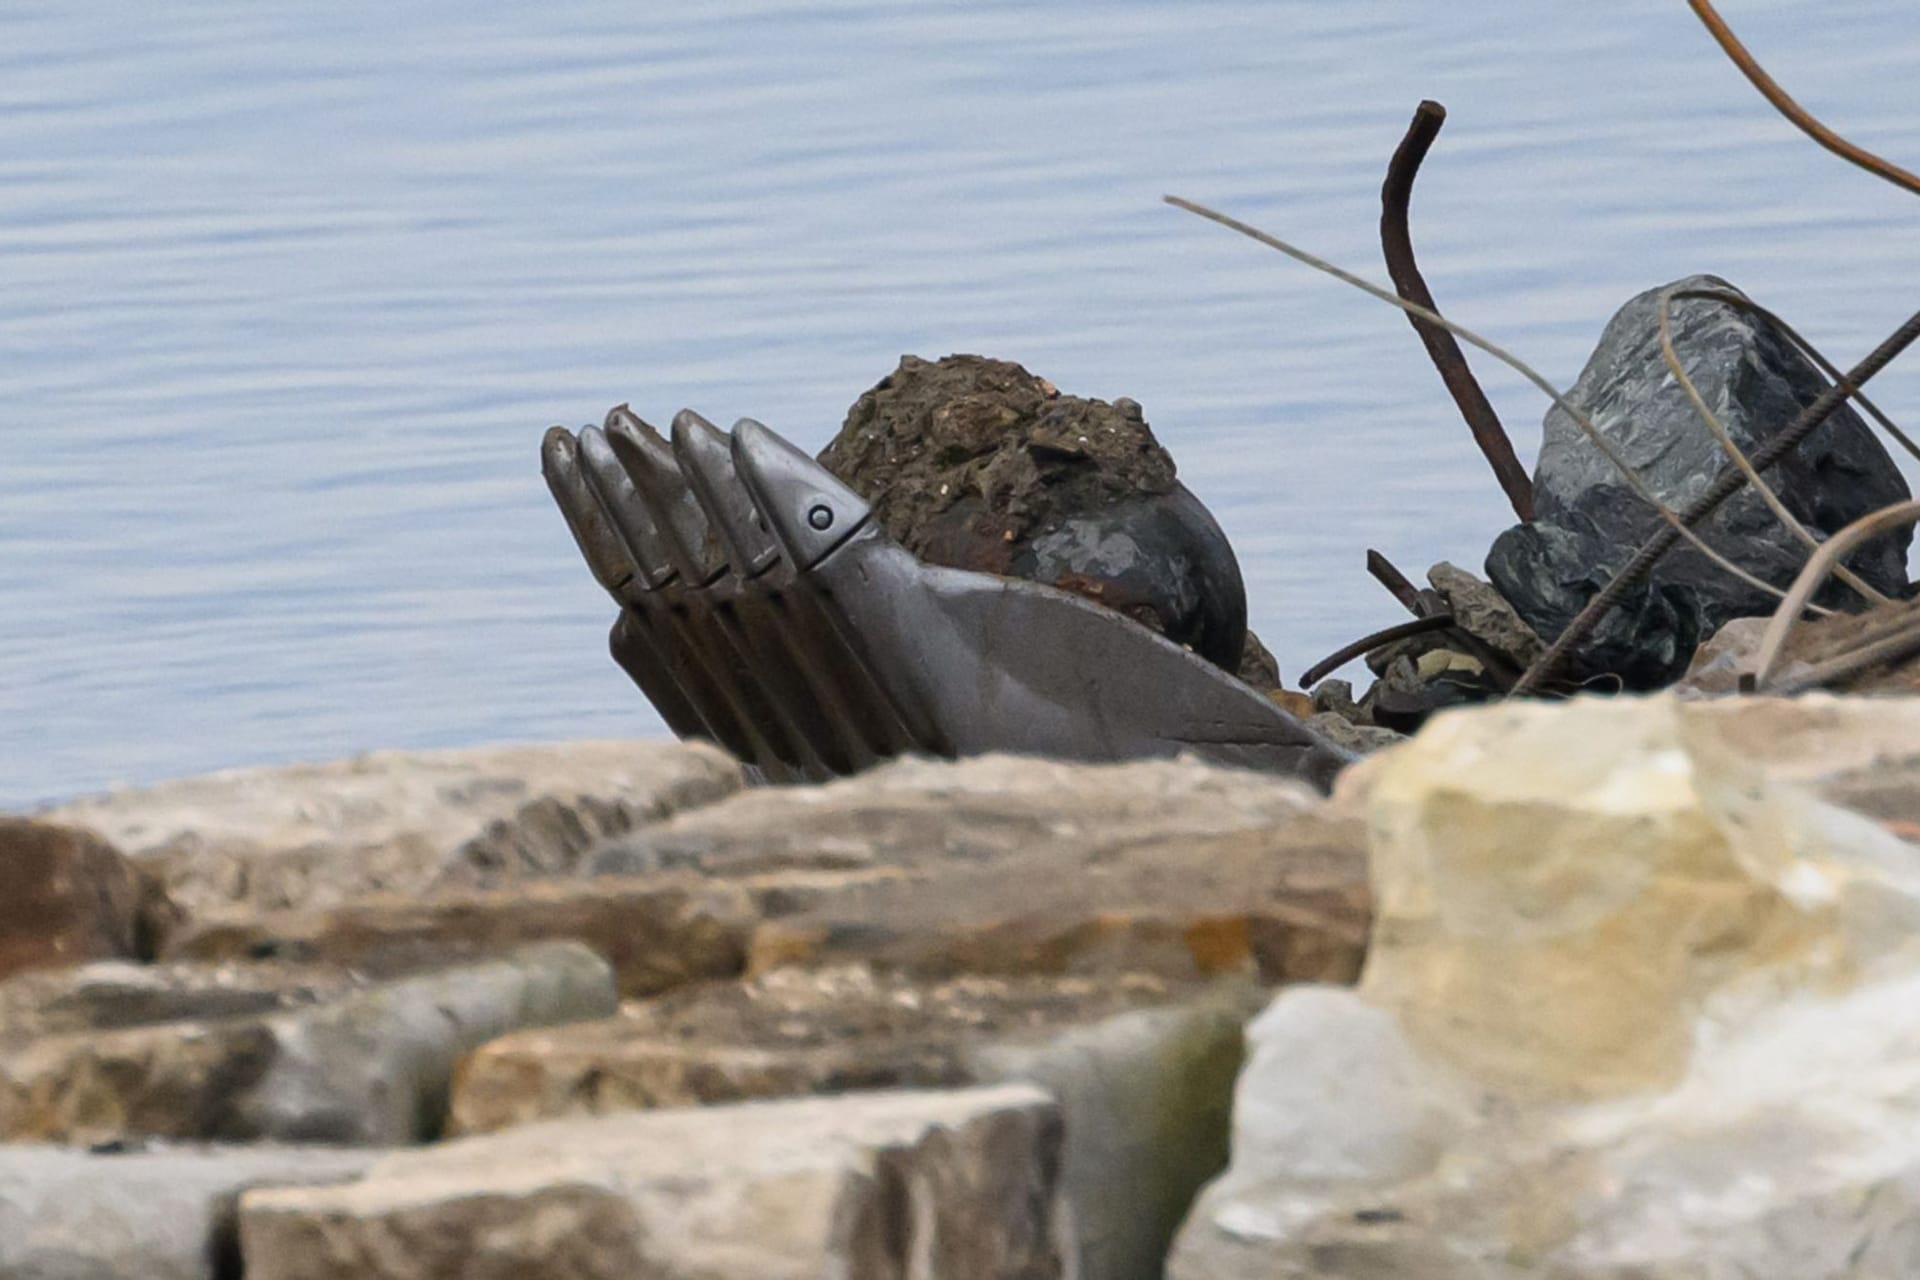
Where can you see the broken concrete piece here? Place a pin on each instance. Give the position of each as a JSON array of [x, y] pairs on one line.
[[165, 1213], [69, 897], [312, 835], [947, 1186], [117, 1053]]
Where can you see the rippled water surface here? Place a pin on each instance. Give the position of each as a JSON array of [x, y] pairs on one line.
[[289, 291]]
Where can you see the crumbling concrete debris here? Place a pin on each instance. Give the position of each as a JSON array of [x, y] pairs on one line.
[[1589, 523]]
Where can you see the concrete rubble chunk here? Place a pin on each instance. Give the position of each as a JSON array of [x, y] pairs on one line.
[[657, 933], [69, 897], [1640, 1002], [112, 1053], [310, 835], [1143, 1071], [962, 1185], [162, 1213], [1589, 522]]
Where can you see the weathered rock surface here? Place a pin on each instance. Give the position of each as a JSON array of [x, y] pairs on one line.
[[1589, 523], [1143, 1072], [1811, 649], [1858, 754], [986, 810], [1485, 614], [787, 1033], [69, 897], [657, 932], [961, 1185], [1147, 1100], [1364, 738], [1013, 866], [159, 1214], [1641, 1003], [1264, 906], [1723, 659], [994, 865], [315, 834], [114, 1052], [977, 464]]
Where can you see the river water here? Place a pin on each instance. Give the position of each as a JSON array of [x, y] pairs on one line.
[[288, 293]]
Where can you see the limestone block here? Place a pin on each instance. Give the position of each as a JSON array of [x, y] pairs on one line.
[[284, 1054], [1641, 1004], [1143, 1071], [657, 933], [69, 897], [987, 810], [1006, 866], [1258, 905], [310, 835], [159, 1214], [1557, 889], [786, 1033], [961, 1185]]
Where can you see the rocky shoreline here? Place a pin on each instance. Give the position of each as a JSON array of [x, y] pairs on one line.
[[594, 1009]]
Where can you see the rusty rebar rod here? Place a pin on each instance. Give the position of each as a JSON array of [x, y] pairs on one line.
[[1424, 604], [1730, 482], [1397, 243], [1367, 644], [1387, 575], [1801, 118]]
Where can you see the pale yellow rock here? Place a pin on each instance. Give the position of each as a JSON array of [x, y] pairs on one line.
[[1556, 891], [1641, 1003]]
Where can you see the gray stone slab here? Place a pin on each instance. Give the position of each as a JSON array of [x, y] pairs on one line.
[[160, 1214]]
